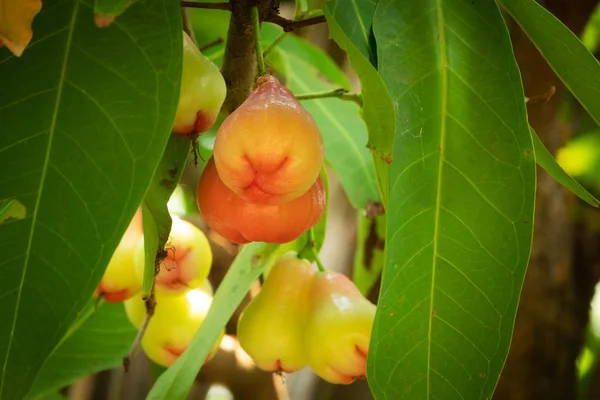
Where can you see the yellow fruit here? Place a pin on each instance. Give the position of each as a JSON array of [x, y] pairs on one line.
[[271, 327], [338, 328], [119, 281], [187, 263], [176, 319], [202, 93]]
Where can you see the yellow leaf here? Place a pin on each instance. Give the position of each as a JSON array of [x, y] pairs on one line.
[[15, 23]]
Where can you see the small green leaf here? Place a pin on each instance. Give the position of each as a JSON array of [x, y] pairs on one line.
[[546, 161], [568, 57], [11, 208], [350, 27], [369, 255], [155, 213], [150, 249], [97, 340], [175, 382]]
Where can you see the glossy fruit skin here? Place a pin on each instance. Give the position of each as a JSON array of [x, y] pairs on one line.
[[269, 150], [240, 221], [338, 328], [188, 261], [119, 281], [271, 327], [176, 319], [202, 93]]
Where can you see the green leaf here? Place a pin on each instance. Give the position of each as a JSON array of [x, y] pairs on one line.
[[350, 27], [156, 217], [175, 382], [98, 340], [111, 8], [11, 208], [86, 114], [462, 188], [580, 158], [369, 256], [573, 63], [546, 161], [150, 250], [319, 229], [344, 132]]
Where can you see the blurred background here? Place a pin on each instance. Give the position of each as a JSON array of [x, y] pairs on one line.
[[555, 353]]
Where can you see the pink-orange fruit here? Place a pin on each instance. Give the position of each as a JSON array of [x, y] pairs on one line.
[[202, 92], [269, 150], [240, 221], [188, 261], [338, 328], [119, 281], [271, 327]]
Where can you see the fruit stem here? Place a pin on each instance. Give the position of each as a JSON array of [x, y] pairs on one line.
[[311, 245], [260, 62], [210, 6], [274, 44], [339, 93]]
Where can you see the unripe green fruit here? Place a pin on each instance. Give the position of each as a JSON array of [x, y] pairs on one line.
[[338, 328], [202, 93], [271, 327], [187, 263], [174, 323]]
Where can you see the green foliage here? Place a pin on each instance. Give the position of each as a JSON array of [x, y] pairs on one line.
[[460, 212], [156, 218], [98, 340], [568, 57], [546, 161], [347, 26], [86, 113], [175, 382], [369, 257]]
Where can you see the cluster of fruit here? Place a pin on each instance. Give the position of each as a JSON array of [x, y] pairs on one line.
[[306, 317], [183, 294], [262, 184]]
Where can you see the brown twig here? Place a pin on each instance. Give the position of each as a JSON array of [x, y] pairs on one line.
[[208, 45], [150, 307], [288, 25], [187, 24], [544, 97], [210, 6]]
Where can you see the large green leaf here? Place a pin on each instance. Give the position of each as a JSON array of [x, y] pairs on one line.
[[175, 382], [85, 115], [98, 340], [460, 213], [568, 57], [350, 27], [344, 132]]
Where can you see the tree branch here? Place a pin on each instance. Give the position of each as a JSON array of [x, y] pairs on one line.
[[210, 6], [288, 25], [239, 60]]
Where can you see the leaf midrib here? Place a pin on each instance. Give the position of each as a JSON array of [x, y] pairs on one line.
[[41, 187], [444, 105]]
